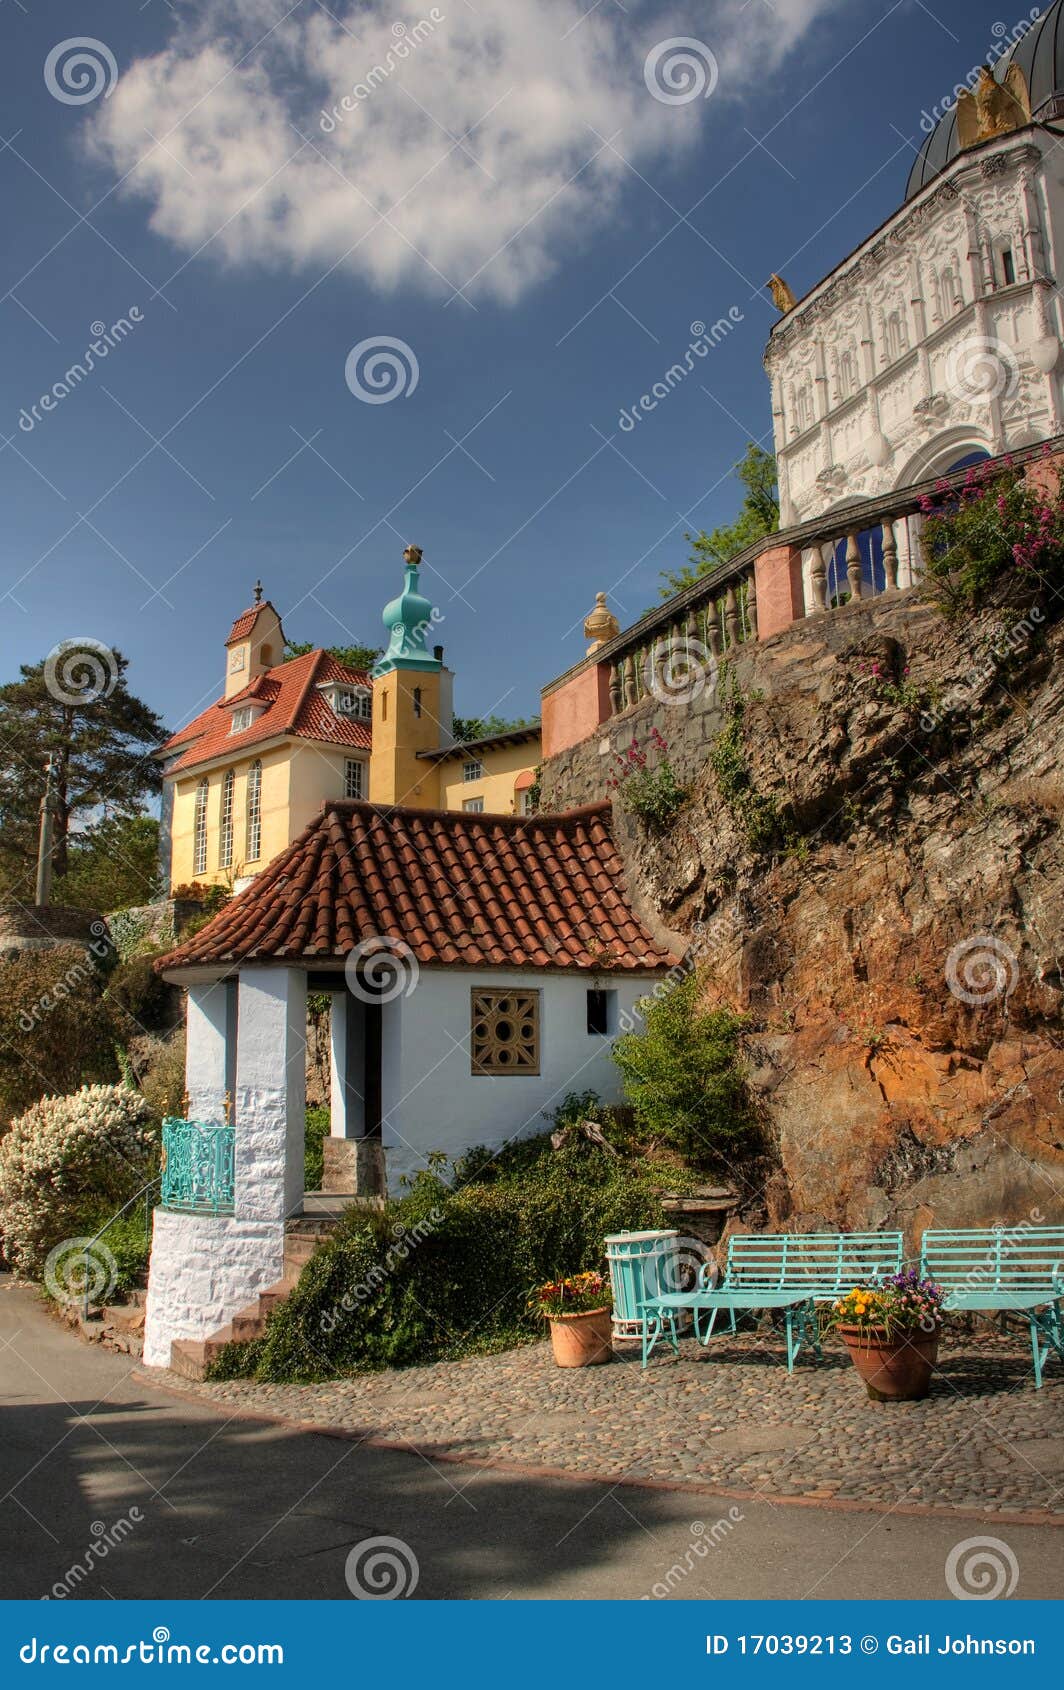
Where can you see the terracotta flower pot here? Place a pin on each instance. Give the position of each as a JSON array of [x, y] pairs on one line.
[[581, 1340], [893, 1369]]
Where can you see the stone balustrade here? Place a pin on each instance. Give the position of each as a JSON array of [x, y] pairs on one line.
[[864, 550]]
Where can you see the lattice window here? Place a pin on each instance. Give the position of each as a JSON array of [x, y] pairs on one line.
[[505, 1031], [473, 806], [254, 812], [473, 769], [242, 719], [354, 701], [353, 782], [199, 831], [225, 843]]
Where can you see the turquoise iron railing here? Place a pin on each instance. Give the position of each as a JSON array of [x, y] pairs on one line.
[[197, 1167]]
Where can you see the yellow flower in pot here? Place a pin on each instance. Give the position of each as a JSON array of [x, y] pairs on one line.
[[578, 1308], [891, 1330]]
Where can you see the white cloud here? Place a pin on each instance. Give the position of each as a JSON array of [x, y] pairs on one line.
[[247, 170]]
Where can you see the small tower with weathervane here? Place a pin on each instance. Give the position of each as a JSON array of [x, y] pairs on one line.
[[412, 700]]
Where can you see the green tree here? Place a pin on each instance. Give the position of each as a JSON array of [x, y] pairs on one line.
[[466, 728], [683, 1075], [114, 864], [352, 656], [758, 515], [75, 708]]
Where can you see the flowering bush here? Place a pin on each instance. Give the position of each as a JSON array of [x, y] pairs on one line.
[[652, 794], [996, 525], [898, 1305], [66, 1158], [578, 1294]]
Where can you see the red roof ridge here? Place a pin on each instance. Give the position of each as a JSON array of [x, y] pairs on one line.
[[482, 818]]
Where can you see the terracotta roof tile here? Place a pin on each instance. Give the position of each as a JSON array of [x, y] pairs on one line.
[[458, 888], [293, 706]]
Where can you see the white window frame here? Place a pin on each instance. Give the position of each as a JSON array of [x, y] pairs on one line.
[[472, 769], [354, 767], [254, 812], [242, 718], [353, 701], [225, 835], [473, 806], [199, 828]]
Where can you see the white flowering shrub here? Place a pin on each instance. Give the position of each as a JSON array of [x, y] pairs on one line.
[[67, 1160]]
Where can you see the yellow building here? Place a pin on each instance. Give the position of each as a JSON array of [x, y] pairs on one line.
[[245, 777]]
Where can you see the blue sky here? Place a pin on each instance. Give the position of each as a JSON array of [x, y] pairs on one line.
[[509, 200]]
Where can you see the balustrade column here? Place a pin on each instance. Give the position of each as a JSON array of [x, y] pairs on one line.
[[731, 615], [890, 558], [818, 579], [853, 565], [751, 603]]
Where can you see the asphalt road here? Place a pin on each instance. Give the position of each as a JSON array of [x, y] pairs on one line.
[[189, 1504]]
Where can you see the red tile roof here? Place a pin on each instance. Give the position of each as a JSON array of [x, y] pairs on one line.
[[460, 889], [293, 706], [246, 620]]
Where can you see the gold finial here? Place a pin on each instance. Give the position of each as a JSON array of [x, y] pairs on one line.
[[258, 592], [994, 108], [413, 556], [782, 297], [228, 1102], [601, 625]]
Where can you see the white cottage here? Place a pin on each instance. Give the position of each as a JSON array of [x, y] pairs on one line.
[[478, 968]]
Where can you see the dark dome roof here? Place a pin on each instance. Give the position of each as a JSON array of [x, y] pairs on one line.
[[1039, 54]]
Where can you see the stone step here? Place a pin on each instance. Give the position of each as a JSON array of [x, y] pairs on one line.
[[125, 1317], [302, 1234]]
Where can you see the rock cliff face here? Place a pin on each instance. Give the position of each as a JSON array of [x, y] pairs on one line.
[[875, 876]]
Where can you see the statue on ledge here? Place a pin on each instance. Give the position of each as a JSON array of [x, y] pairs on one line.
[[995, 108]]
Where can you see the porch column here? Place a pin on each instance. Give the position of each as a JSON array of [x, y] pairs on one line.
[[347, 1061], [271, 1092], [210, 1049]]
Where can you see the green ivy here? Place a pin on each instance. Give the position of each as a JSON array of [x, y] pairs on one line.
[[757, 814]]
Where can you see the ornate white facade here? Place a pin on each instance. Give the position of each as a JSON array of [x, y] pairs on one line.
[[940, 337]]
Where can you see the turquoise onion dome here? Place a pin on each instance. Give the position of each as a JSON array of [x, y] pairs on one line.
[[408, 620]]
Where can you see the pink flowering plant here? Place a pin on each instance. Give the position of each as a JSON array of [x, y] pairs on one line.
[[996, 525], [645, 782]]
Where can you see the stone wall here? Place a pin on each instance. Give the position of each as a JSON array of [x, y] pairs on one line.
[[35, 927], [898, 940]]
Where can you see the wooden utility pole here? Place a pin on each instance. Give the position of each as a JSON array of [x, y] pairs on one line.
[[44, 848]]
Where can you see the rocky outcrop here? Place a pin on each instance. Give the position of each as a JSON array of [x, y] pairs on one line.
[[876, 878]]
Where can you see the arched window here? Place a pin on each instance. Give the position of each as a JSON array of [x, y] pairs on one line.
[[199, 830], [803, 409], [847, 375], [225, 842], [254, 812], [896, 339]]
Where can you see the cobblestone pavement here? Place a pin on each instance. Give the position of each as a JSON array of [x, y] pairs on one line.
[[729, 1416]]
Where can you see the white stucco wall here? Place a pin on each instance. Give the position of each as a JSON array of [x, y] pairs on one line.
[[431, 1099], [204, 1268], [875, 374]]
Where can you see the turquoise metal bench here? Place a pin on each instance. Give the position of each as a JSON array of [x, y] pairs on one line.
[[1017, 1270], [786, 1270]]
